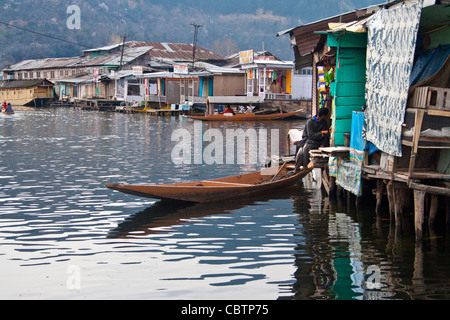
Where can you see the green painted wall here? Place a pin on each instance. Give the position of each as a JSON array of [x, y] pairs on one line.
[[350, 80]]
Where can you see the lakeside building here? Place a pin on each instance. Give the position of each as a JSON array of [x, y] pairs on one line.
[[101, 61], [384, 73], [32, 93], [163, 74], [88, 76]]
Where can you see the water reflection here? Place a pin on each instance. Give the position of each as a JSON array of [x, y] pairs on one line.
[[340, 251], [164, 214], [364, 258]]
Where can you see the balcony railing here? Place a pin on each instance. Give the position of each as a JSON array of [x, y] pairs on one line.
[[278, 96], [156, 98]]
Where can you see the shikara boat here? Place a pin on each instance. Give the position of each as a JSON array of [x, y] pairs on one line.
[[246, 116], [235, 187]]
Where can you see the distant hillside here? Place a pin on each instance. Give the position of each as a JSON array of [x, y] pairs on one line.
[[227, 25]]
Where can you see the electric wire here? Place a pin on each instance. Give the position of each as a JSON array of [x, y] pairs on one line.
[[45, 35]]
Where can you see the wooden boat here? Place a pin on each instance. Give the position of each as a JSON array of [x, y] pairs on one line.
[[246, 116], [235, 187], [5, 112]]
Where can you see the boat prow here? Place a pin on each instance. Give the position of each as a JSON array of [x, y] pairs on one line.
[[234, 187]]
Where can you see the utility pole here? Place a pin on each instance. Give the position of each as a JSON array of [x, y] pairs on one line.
[[196, 26], [121, 55]]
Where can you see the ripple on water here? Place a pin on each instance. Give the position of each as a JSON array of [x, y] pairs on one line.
[[55, 214]]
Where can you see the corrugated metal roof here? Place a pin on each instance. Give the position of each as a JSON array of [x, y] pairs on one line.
[[76, 79], [177, 52], [353, 26], [129, 55], [121, 74], [269, 64], [45, 63], [307, 40], [105, 48], [14, 84], [233, 59]]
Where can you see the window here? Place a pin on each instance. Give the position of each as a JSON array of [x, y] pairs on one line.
[[305, 71], [134, 90], [52, 74], [38, 74]]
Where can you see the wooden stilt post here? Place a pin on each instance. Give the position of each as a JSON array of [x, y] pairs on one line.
[[415, 141], [379, 195], [391, 200], [417, 278], [447, 213], [433, 209], [398, 206], [326, 181], [419, 212]]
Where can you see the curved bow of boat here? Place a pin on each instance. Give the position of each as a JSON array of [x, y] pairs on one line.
[[239, 186]]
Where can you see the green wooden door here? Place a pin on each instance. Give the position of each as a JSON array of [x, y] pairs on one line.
[[350, 80]]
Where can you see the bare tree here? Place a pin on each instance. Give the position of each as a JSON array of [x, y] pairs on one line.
[[224, 48]]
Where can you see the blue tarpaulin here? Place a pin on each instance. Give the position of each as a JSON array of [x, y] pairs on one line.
[[428, 63], [357, 140]]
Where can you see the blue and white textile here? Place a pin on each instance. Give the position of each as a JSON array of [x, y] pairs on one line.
[[349, 172], [392, 35]]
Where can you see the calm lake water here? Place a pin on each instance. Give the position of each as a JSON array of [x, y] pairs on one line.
[[63, 235]]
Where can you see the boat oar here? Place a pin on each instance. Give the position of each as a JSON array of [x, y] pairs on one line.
[[278, 172]]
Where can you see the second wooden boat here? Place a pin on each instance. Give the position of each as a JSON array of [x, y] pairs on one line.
[[246, 116], [234, 187]]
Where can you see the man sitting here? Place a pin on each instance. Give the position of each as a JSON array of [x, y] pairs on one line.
[[315, 135], [9, 108], [228, 111]]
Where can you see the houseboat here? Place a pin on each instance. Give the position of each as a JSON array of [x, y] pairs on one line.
[[30, 93]]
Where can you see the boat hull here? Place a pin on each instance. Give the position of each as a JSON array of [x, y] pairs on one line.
[[234, 187], [246, 117]]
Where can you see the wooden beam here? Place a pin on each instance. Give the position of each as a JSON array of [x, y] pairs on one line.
[[440, 113], [430, 189]]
